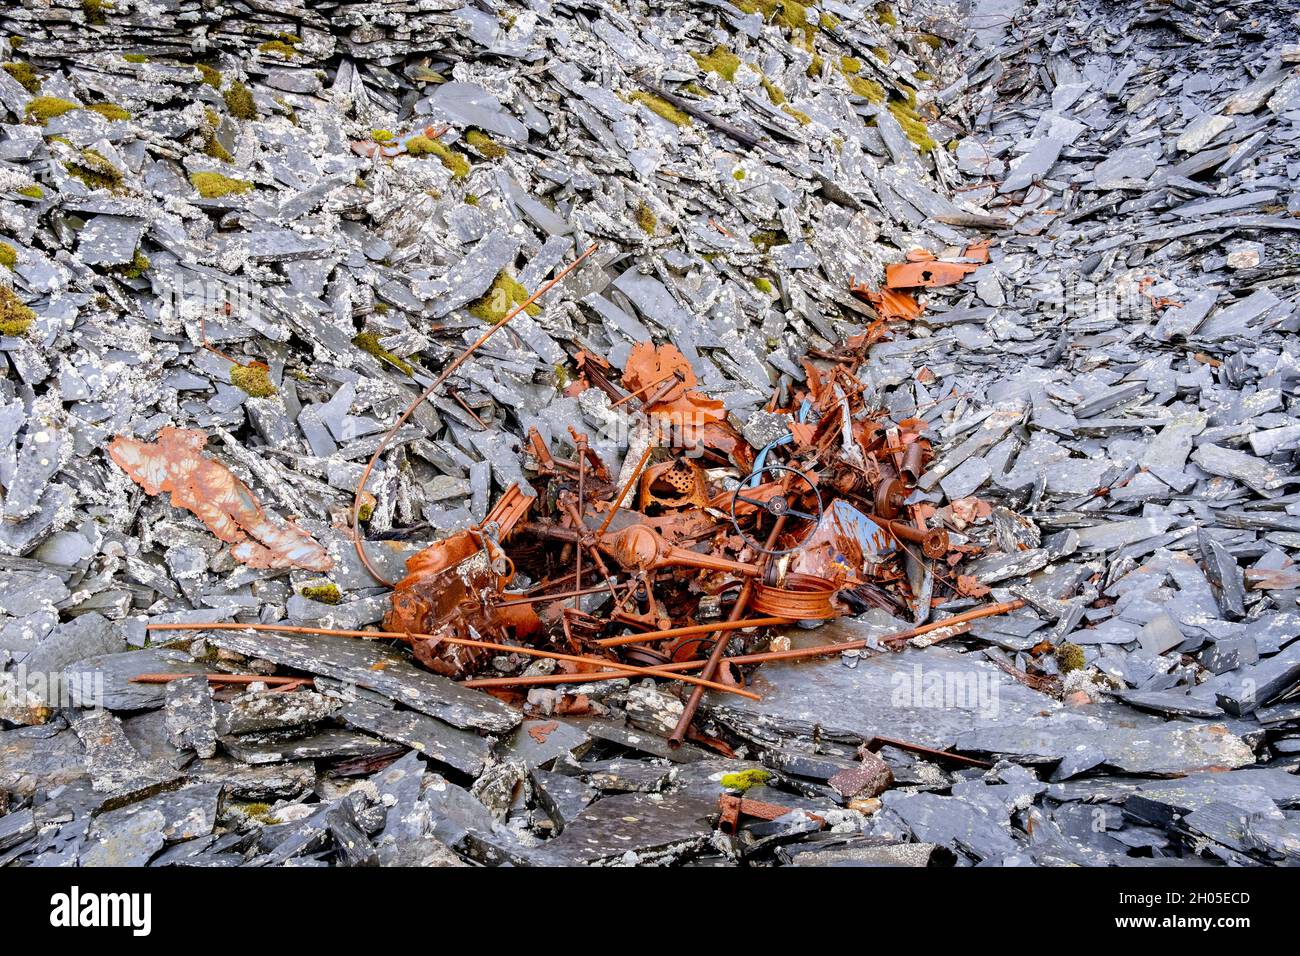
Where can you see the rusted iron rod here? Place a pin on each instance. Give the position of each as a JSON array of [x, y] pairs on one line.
[[410, 637], [220, 679], [647, 636], [795, 653]]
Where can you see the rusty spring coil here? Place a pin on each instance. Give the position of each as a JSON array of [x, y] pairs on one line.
[[800, 597]]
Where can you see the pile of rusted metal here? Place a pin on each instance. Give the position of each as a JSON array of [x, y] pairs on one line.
[[704, 538]]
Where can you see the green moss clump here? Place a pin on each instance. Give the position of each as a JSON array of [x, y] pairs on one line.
[[646, 219], [239, 101], [773, 92], [94, 170], [137, 267], [32, 192], [456, 162], [869, 90], [94, 11], [767, 238], [850, 64], [661, 107], [327, 593], [803, 118], [721, 61], [695, 89], [8, 255], [828, 21], [485, 144], [15, 42], [880, 53], [471, 199], [738, 175], [930, 40], [211, 75], [366, 511], [215, 185], [1069, 657], [885, 15], [742, 780], [912, 125], [211, 145], [257, 813], [381, 308], [499, 301], [381, 136], [135, 58], [765, 285], [254, 378], [369, 342], [789, 14], [24, 74], [45, 108], [15, 317], [110, 111], [815, 67], [279, 48]]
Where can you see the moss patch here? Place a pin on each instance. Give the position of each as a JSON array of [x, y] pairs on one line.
[[661, 107], [910, 120], [94, 170], [135, 58], [885, 15], [211, 75], [24, 74], [381, 136], [15, 317], [767, 238], [744, 779], [215, 185], [327, 593], [239, 101], [32, 192], [369, 342], [254, 378], [279, 48], [110, 111], [137, 267], [646, 219], [94, 11], [484, 144], [773, 91], [803, 118], [721, 61], [499, 301], [456, 162], [765, 285], [1069, 657], [788, 14], [8, 255], [42, 109]]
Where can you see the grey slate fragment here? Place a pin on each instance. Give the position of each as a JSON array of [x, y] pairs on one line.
[[374, 667], [459, 749], [191, 716]]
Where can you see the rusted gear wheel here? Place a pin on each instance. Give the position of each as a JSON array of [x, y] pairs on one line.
[[777, 506]]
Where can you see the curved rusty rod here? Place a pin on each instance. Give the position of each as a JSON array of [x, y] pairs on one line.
[[412, 636], [410, 409]]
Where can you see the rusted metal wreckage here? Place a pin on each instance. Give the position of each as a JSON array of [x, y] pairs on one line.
[[700, 546], [706, 540]]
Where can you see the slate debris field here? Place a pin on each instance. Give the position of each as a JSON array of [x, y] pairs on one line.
[[1051, 247]]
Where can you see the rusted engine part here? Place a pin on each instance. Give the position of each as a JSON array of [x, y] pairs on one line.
[[175, 463], [454, 587]]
